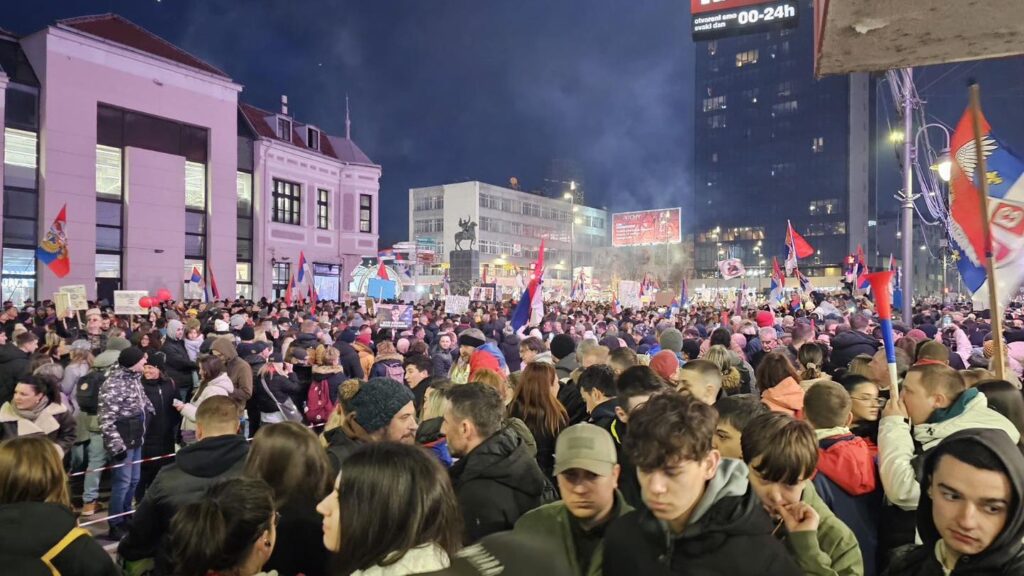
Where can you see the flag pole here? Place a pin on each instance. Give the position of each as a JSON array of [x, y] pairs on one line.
[[990, 269]]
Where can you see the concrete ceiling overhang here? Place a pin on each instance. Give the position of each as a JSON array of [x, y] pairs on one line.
[[874, 35]]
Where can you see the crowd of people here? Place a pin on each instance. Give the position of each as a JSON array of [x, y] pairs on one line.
[[243, 438]]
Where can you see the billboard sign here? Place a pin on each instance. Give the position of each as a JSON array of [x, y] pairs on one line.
[[647, 227], [713, 19]]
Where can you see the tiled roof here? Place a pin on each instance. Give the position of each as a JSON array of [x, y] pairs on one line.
[[118, 29], [331, 146]]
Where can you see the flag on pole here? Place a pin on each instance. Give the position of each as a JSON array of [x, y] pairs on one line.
[[313, 296], [302, 266], [196, 276], [796, 248], [53, 248], [447, 285], [738, 308], [382, 272], [1005, 176], [616, 307], [778, 279], [526, 310], [288, 290], [684, 298], [212, 282]]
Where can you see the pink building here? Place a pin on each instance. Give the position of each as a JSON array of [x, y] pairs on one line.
[[161, 171]]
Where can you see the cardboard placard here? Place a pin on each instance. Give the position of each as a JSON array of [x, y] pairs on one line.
[[62, 302], [127, 301], [629, 294], [481, 293], [456, 304], [394, 315], [76, 293]]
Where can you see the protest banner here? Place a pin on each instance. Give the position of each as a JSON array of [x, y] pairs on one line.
[[62, 302], [481, 293], [456, 304], [394, 316], [127, 301], [76, 294], [629, 294]]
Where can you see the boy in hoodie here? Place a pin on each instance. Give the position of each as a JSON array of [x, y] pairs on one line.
[[701, 516], [970, 516], [847, 479], [782, 456]]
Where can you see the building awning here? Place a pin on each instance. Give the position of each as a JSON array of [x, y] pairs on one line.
[[875, 35]]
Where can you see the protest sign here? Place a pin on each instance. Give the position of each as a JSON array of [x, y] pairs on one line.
[[394, 315], [76, 294], [456, 304], [62, 302], [127, 301]]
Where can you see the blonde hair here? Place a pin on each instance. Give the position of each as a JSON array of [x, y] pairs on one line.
[[435, 402], [31, 470], [494, 380]]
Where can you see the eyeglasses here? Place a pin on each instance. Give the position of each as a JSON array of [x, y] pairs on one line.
[[870, 400]]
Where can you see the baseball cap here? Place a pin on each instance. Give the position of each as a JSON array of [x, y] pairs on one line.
[[587, 447]]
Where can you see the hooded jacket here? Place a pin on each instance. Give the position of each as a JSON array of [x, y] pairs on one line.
[[848, 345], [496, 483], [1006, 553], [383, 361], [238, 370], [728, 533], [196, 467], [121, 398], [896, 450], [349, 360], [366, 357], [847, 482], [786, 397], [55, 422], [442, 362], [162, 425], [180, 367], [219, 386], [335, 377], [29, 529]]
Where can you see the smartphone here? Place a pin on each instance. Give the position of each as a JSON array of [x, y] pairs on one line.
[[947, 321]]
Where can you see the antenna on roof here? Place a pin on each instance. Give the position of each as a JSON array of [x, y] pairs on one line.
[[348, 121], [284, 104]]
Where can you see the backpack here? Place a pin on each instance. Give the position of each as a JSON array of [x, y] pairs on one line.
[[318, 402], [395, 371], [87, 391]]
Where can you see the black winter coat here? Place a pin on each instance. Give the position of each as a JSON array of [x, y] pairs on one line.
[[300, 543], [179, 367], [349, 360], [575, 406], [13, 364], [510, 348], [28, 530], [497, 483], [733, 537], [848, 345], [339, 448], [442, 363], [162, 426], [196, 467], [281, 386]]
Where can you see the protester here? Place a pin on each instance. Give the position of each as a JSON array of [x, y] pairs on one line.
[[622, 359], [811, 360], [428, 434], [388, 363], [597, 385], [866, 406], [700, 516], [392, 513], [1005, 398], [214, 382], [36, 410], [495, 479], [417, 377], [219, 451], [231, 530], [730, 376], [348, 355], [236, 368], [14, 362], [969, 516], [535, 402], [634, 387], [275, 391], [162, 425], [380, 410], [587, 475], [853, 342], [780, 385], [36, 520], [289, 458], [441, 356], [702, 379], [734, 413]]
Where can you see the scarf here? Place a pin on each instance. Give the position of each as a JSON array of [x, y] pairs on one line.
[[192, 348], [955, 409], [33, 414]]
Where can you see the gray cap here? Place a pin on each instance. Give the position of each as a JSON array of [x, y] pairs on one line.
[[586, 447]]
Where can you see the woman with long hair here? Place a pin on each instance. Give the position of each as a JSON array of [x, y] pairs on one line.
[[535, 402], [36, 410], [731, 380], [780, 384], [865, 406], [214, 382], [36, 516], [289, 458], [393, 512], [79, 365], [232, 530], [811, 357], [428, 435]]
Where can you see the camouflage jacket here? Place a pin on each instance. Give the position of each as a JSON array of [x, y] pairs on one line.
[[121, 397]]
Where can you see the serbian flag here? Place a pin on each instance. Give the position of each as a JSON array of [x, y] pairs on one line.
[[1005, 218], [213, 283], [313, 296], [532, 299], [776, 293], [805, 282], [53, 248], [616, 307], [288, 290], [382, 272], [796, 247], [862, 269], [447, 284], [196, 276], [302, 266]]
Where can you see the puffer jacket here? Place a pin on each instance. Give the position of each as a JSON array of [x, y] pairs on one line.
[[219, 386], [786, 397], [180, 367], [28, 530], [55, 422], [237, 369], [282, 387], [121, 399]]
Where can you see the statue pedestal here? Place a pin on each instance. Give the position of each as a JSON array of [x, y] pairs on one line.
[[464, 270]]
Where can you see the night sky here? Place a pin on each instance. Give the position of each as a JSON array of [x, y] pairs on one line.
[[451, 90]]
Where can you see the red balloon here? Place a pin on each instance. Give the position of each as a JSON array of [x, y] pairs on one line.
[[163, 295], [146, 302]]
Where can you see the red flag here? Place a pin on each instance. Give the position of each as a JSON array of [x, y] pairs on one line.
[[312, 296], [53, 248], [288, 290], [796, 241], [213, 283], [777, 272], [382, 272]]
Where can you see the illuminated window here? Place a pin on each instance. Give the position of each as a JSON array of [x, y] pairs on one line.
[[818, 144], [714, 103], [195, 186], [322, 208], [365, 213], [746, 58], [108, 171], [784, 108], [287, 197], [20, 158]]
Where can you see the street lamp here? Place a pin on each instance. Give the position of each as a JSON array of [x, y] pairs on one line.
[[943, 165], [571, 197]]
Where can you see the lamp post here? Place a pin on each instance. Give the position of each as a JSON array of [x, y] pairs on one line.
[[571, 197]]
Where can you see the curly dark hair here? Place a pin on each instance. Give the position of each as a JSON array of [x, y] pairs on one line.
[[668, 428]]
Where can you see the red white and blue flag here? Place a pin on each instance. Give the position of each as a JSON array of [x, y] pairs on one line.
[[53, 248], [531, 305], [776, 293], [796, 248], [302, 266], [1005, 218]]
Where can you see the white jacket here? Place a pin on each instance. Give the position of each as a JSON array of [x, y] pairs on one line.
[[425, 558], [896, 448], [219, 386]]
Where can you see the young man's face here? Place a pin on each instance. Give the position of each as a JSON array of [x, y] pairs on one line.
[[672, 491], [727, 440], [970, 506], [919, 401], [586, 495], [774, 495], [413, 375], [628, 405], [402, 428]]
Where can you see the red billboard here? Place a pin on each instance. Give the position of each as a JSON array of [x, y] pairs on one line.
[[714, 19], [701, 6], [647, 227]]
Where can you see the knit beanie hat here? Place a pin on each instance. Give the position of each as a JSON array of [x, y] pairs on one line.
[[130, 356], [220, 326], [665, 364], [247, 333], [378, 401], [348, 335], [765, 319], [691, 348], [671, 339], [472, 337], [157, 360], [562, 346]]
